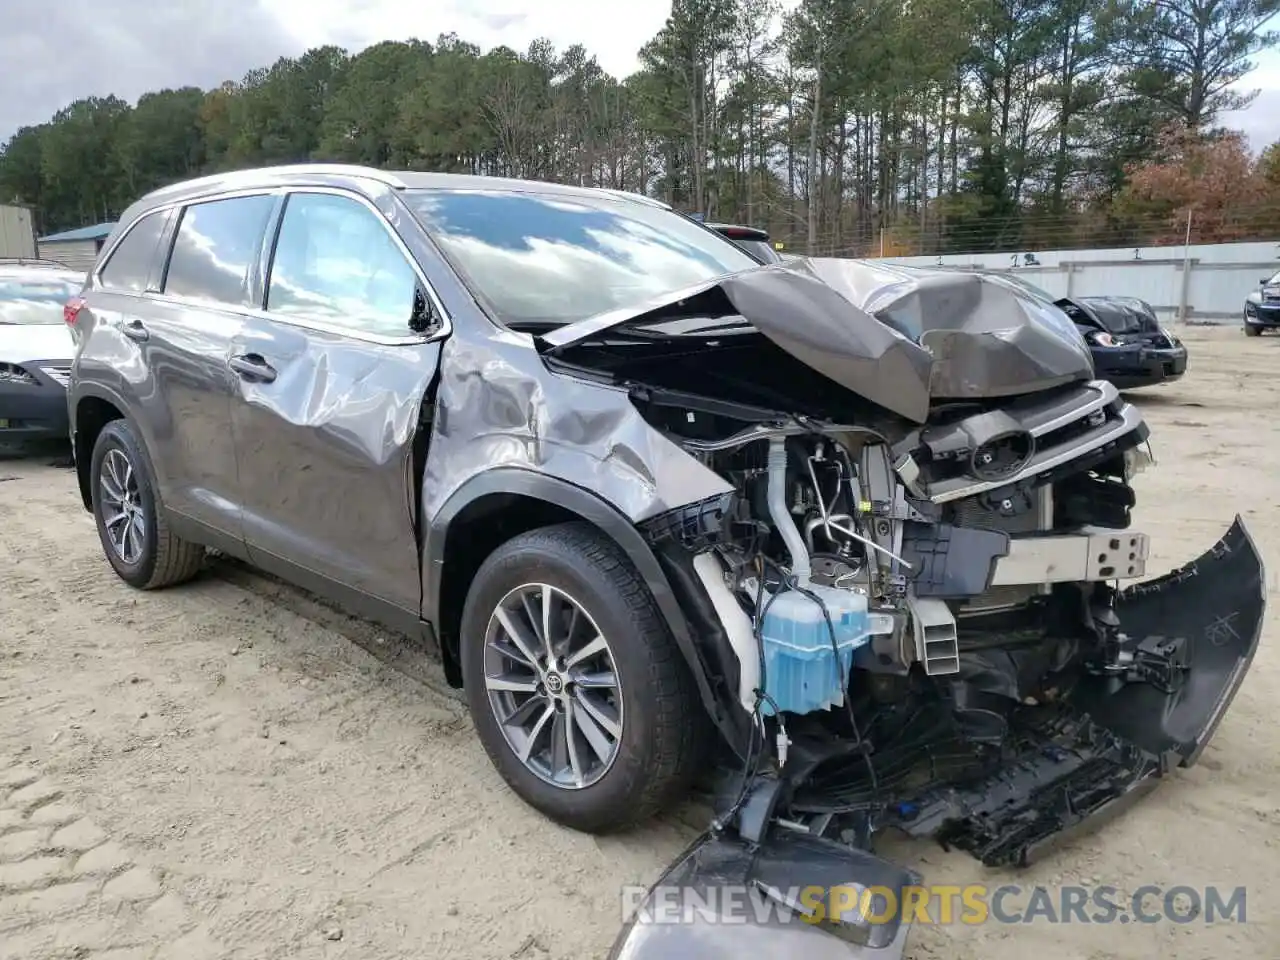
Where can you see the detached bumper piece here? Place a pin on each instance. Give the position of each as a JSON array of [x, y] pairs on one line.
[[1078, 780], [1192, 635], [1189, 638], [725, 899], [1215, 605]]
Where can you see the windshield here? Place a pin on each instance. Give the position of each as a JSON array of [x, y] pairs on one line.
[[34, 301], [543, 260], [1273, 282]]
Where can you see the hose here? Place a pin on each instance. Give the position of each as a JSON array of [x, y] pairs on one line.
[[781, 516]]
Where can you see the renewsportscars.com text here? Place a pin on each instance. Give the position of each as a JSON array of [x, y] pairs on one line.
[[938, 904]]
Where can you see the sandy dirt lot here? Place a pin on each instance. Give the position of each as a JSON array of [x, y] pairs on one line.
[[229, 769]]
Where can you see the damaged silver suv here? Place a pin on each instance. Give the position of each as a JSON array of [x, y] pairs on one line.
[[856, 532]]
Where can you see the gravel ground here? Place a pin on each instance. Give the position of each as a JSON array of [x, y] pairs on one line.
[[229, 769]]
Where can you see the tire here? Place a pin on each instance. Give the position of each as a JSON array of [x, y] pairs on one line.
[[155, 557], [662, 725], [1252, 331]]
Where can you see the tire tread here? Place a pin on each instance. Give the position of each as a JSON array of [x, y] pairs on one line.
[[677, 725], [175, 560]]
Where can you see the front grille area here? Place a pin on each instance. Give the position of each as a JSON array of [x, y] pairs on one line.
[[60, 373], [975, 513], [1067, 427]]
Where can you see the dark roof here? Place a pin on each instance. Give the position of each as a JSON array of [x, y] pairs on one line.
[[740, 231], [99, 231]]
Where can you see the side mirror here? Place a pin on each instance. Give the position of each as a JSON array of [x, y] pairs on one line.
[[423, 319]]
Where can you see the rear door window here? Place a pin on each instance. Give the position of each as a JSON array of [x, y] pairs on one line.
[[216, 243], [336, 263], [129, 266]]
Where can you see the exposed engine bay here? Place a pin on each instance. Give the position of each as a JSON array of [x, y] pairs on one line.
[[912, 595], [865, 611], [929, 634]]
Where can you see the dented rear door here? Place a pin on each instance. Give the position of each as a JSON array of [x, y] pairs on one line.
[[331, 384]]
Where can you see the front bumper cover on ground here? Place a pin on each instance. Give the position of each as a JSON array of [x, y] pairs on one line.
[[699, 910], [1108, 745]]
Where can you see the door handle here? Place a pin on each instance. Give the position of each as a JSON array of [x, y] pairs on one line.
[[253, 368], [135, 330]]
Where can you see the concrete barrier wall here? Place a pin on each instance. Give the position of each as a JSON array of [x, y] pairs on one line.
[[1202, 283]]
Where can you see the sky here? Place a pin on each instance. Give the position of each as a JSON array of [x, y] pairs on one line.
[[1261, 121], [56, 51]]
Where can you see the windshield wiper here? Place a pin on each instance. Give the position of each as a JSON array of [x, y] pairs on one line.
[[719, 323]]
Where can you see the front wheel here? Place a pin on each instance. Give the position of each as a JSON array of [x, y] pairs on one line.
[[135, 536], [574, 681], [1251, 331]]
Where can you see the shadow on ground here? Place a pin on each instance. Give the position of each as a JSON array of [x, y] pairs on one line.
[[55, 453]]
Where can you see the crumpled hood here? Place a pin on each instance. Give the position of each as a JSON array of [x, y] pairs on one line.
[[22, 343], [900, 338]]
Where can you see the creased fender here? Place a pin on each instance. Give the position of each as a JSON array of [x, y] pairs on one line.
[[514, 480]]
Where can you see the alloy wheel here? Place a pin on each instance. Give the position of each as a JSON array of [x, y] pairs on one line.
[[123, 517], [553, 686]]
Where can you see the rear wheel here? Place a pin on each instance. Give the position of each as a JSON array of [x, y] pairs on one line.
[[575, 684], [137, 540]]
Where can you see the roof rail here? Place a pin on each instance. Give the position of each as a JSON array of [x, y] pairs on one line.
[[634, 197], [254, 175], [322, 168]]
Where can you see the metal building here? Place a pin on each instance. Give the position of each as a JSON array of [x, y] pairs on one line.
[[17, 236], [78, 249]]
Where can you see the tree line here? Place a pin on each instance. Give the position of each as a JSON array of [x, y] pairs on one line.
[[846, 126]]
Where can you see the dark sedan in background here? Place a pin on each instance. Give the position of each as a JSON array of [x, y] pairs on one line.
[[1129, 346], [1262, 308]]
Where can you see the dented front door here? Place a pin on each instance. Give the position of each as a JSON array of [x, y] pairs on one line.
[[331, 382]]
